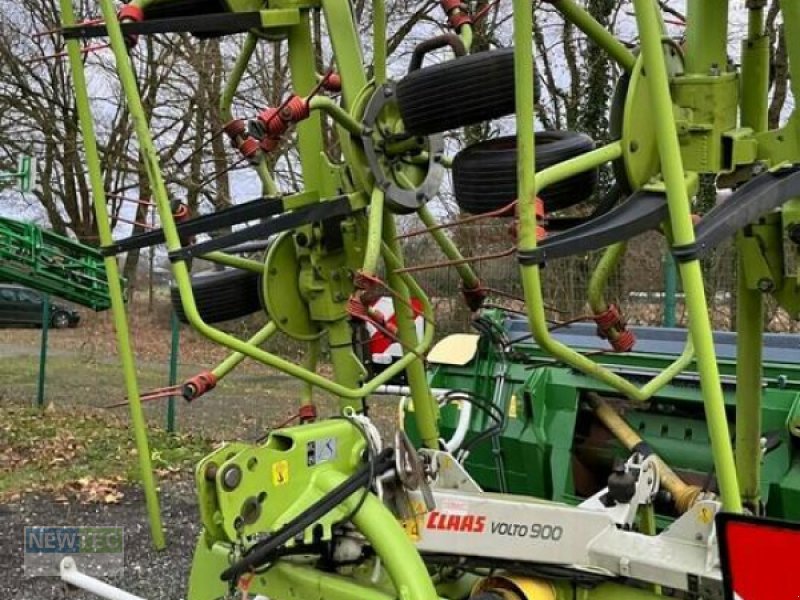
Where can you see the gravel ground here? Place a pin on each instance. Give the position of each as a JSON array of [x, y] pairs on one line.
[[148, 573]]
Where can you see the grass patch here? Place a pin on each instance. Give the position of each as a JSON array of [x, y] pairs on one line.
[[82, 454]]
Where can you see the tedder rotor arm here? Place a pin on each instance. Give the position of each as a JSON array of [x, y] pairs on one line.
[[180, 266], [680, 217]]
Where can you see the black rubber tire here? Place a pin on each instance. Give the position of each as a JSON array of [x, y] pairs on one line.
[[59, 320], [485, 174], [459, 92], [221, 295]]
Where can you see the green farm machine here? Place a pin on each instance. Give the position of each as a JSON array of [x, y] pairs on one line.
[[526, 464]]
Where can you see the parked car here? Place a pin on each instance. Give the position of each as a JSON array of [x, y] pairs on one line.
[[23, 306]]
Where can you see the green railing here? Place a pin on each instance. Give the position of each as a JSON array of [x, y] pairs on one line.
[[53, 264]]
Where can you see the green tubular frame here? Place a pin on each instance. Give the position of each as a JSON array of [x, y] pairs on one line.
[[650, 29], [529, 185], [602, 273], [112, 270], [235, 359], [180, 268], [683, 233], [584, 21]]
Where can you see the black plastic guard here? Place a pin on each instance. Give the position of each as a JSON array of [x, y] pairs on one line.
[[239, 213], [745, 206], [641, 212], [201, 25]]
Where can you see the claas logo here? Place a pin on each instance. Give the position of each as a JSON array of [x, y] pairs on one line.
[[759, 558], [454, 522]]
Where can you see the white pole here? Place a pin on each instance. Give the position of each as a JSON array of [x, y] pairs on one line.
[[71, 574]]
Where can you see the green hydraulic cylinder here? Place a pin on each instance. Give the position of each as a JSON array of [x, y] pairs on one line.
[[706, 37], [750, 302]]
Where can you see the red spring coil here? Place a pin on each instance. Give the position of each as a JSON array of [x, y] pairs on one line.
[[235, 128], [277, 120], [457, 13], [458, 19], [181, 212], [274, 125], [131, 14], [538, 205], [611, 319], [624, 342], [307, 413], [270, 144], [249, 147], [295, 109], [332, 82], [198, 385]]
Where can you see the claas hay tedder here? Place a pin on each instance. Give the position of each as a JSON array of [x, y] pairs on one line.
[[525, 465]]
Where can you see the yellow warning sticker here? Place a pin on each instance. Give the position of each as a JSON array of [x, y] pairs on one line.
[[280, 472], [512, 407], [413, 525], [705, 516]]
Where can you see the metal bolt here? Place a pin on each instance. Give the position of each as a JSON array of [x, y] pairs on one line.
[[211, 472], [251, 510], [231, 477], [766, 285]]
